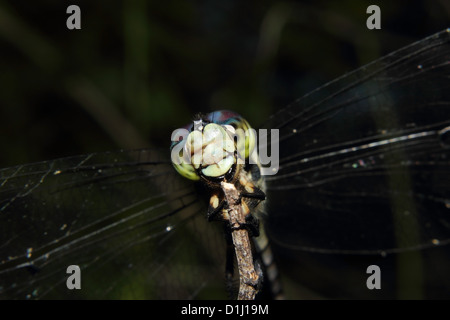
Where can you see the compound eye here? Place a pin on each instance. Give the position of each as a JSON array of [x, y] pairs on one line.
[[184, 166], [187, 171], [246, 139]]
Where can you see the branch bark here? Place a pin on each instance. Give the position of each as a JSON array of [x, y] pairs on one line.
[[249, 278]]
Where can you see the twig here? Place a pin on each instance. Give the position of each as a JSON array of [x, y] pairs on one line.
[[248, 277]]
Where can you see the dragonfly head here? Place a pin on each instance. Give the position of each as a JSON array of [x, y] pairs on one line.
[[213, 148]]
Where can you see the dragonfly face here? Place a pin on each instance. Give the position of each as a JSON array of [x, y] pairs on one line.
[[215, 148], [220, 148], [363, 177]]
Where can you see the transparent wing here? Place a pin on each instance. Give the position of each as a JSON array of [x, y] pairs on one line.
[[132, 226], [365, 159]]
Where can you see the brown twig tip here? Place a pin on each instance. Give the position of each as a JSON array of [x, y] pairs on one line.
[[248, 277]]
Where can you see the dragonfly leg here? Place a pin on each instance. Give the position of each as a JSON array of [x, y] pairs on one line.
[[216, 204]]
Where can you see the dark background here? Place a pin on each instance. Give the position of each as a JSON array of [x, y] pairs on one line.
[[139, 69]]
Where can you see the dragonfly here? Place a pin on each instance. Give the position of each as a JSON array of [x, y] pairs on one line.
[[364, 171]]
